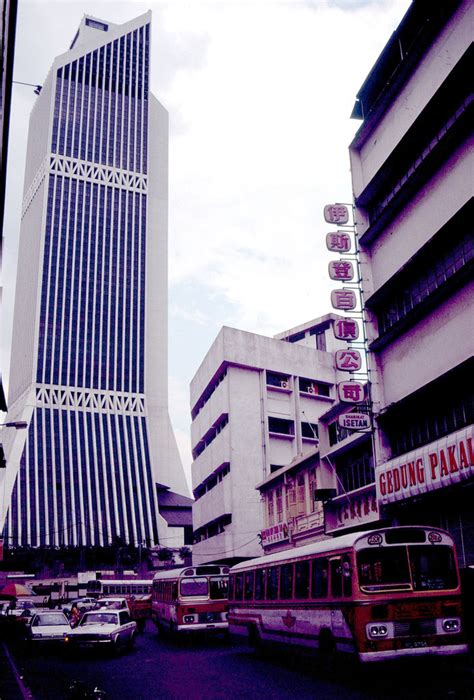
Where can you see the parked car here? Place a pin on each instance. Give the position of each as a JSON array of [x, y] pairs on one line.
[[83, 604], [48, 627], [23, 607], [113, 603], [109, 628]]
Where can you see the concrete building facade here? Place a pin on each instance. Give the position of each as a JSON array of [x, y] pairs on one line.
[[256, 403], [89, 350], [412, 172]]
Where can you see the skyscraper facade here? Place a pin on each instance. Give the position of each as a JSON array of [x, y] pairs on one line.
[[89, 352]]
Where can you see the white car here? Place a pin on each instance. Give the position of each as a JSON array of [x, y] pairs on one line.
[[48, 626], [112, 603], [83, 604], [109, 628]]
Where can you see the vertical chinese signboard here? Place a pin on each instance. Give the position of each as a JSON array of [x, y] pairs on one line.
[[345, 299]]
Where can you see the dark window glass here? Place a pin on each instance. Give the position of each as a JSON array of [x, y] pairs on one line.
[[259, 584], [286, 581], [302, 579], [272, 583], [319, 578], [239, 586], [248, 592]]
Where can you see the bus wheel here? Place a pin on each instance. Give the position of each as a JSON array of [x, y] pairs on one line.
[[327, 649], [254, 639]]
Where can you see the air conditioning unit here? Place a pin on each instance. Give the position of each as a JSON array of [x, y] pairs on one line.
[[311, 389], [284, 384]]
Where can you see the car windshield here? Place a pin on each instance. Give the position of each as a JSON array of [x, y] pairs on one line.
[[419, 568], [196, 585], [53, 619], [23, 604], [106, 618], [112, 604]]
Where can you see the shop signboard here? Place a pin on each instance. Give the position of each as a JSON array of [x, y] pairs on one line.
[[445, 462]]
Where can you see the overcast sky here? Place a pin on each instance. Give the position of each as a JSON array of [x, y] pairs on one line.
[[259, 94]]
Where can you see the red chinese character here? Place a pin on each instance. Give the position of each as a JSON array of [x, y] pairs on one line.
[[341, 270], [336, 214], [366, 506], [346, 329], [338, 241], [348, 360], [351, 392], [343, 299]]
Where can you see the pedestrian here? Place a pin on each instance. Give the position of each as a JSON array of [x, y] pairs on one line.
[[75, 615]]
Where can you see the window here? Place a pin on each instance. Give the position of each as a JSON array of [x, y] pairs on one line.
[[302, 579], [286, 581], [218, 587], [96, 25], [194, 586], [300, 495], [248, 589], [281, 426], [336, 577], [279, 504], [272, 583], [278, 381], [259, 584], [270, 508], [319, 578], [309, 431], [239, 586]]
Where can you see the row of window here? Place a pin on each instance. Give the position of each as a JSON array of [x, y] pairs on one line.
[[73, 454], [294, 494], [430, 277], [83, 315], [216, 527], [309, 579], [211, 435], [212, 481], [285, 426], [105, 92]]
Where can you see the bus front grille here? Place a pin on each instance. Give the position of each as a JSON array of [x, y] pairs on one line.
[[414, 628]]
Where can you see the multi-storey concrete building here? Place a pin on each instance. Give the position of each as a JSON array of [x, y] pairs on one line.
[[412, 170], [256, 402], [89, 358]]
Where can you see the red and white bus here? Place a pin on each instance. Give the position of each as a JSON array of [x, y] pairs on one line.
[[380, 595], [191, 599]]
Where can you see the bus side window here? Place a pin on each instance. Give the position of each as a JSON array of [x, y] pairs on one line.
[[248, 591], [302, 579], [239, 586], [272, 583], [231, 587], [319, 578], [286, 581], [346, 576], [336, 577], [259, 584]]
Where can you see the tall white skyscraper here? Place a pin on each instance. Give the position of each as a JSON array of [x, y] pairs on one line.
[[89, 355]]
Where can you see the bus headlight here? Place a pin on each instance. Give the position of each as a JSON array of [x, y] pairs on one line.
[[452, 624], [377, 631], [189, 618]]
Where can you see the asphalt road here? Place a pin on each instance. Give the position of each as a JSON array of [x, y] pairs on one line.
[[214, 669]]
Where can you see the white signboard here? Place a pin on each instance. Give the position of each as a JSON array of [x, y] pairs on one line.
[[445, 462], [338, 242], [354, 421], [343, 299], [276, 533], [336, 214], [350, 392], [341, 270], [346, 329], [348, 360]]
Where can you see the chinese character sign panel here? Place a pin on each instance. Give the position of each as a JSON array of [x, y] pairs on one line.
[[350, 392], [346, 329], [338, 242], [336, 214], [343, 299], [341, 270], [348, 360]]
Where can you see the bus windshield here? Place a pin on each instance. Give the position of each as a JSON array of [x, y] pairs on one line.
[[419, 568], [218, 587], [197, 585]]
